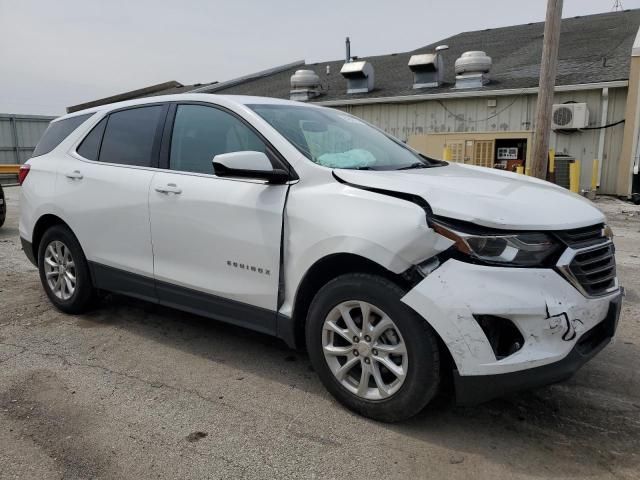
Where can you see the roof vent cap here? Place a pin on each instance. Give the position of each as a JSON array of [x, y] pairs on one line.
[[305, 85], [428, 68], [472, 69], [359, 76]]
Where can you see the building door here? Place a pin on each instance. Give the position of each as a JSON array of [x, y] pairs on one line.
[[511, 153], [483, 153], [457, 151]]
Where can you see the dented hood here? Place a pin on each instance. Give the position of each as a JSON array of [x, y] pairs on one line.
[[485, 196]]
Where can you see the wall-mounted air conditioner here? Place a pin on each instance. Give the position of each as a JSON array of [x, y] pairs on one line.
[[568, 116]]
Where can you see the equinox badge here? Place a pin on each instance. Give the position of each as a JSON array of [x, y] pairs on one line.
[[249, 268]]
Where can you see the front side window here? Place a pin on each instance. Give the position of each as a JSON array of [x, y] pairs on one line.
[[56, 132], [337, 140], [200, 133], [129, 136]]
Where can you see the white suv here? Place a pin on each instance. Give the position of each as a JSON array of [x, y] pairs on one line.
[[395, 270]]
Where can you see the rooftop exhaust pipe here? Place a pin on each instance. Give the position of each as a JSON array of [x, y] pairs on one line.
[[305, 85], [472, 70], [428, 68], [347, 44]]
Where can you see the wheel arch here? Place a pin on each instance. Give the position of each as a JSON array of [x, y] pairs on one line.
[[44, 223], [325, 270]]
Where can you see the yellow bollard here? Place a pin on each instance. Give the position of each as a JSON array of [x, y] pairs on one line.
[[574, 176], [579, 173], [527, 172], [552, 160], [446, 154], [520, 169], [594, 174]]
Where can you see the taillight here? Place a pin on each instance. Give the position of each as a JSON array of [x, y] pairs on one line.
[[24, 171]]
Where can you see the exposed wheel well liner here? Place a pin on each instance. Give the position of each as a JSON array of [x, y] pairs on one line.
[[325, 270]]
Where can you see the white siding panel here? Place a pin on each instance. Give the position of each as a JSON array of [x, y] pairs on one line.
[[511, 113], [613, 140]]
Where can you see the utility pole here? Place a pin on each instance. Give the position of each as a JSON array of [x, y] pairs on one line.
[[540, 152]]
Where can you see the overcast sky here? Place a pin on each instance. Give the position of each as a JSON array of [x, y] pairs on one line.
[[55, 53]]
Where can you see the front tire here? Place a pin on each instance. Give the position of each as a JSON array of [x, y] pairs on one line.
[[372, 352], [64, 271]]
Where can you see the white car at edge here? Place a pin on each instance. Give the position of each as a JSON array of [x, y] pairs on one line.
[[395, 271]]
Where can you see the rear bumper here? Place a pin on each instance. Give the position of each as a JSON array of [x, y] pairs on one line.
[[475, 389]]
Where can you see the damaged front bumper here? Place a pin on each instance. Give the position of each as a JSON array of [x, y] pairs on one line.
[[558, 329]]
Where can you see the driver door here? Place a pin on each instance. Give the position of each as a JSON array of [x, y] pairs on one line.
[[216, 241]]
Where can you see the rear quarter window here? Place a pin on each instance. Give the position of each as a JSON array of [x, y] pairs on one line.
[[56, 132], [90, 146]]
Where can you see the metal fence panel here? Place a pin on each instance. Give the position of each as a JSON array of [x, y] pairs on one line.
[[7, 156], [6, 137], [29, 132], [19, 135]]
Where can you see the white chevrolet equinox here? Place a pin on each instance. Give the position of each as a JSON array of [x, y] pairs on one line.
[[396, 271]]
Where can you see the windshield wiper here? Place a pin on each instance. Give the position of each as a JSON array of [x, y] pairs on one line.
[[414, 165]]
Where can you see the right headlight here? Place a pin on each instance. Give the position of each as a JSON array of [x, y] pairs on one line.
[[529, 249]]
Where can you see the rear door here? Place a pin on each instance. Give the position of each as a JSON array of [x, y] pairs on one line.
[[216, 241], [103, 189]]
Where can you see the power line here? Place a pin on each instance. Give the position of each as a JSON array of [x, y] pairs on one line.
[[617, 6], [461, 118]]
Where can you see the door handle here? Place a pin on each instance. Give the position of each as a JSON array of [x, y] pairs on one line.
[[75, 175], [169, 188]]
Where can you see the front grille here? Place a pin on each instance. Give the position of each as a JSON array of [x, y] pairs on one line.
[[595, 269], [583, 237], [589, 262]]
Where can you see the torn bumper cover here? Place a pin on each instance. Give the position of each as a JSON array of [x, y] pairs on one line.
[[559, 328]]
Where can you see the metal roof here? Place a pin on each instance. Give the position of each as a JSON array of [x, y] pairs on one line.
[[166, 88]]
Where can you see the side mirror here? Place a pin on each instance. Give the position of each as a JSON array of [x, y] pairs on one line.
[[248, 164]]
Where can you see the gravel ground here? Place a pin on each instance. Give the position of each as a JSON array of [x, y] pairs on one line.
[[133, 390]]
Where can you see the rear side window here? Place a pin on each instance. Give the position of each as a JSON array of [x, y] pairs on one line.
[[129, 136], [90, 146], [56, 132]]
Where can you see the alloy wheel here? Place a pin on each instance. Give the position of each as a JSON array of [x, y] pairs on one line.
[[364, 350], [60, 270]]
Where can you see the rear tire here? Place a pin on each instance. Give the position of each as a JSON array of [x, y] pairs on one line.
[[64, 271], [391, 359]]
